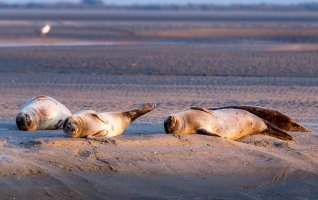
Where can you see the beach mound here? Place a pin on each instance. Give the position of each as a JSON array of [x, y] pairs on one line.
[[255, 164]]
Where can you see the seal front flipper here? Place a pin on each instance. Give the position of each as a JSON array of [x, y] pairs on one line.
[[134, 114], [275, 117], [101, 133], [205, 132], [276, 132], [201, 109], [59, 124], [97, 116]]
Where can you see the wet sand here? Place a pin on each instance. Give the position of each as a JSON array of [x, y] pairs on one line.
[[175, 73]]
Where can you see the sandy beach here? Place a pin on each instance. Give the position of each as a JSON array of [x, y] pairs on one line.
[[109, 63]]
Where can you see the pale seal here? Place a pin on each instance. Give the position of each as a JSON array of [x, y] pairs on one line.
[[108, 124], [42, 113], [233, 122]]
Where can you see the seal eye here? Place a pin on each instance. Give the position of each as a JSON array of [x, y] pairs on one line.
[[28, 119], [70, 128]]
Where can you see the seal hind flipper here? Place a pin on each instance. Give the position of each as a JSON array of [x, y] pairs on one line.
[[205, 132], [275, 117], [201, 109], [134, 114], [276, 132]]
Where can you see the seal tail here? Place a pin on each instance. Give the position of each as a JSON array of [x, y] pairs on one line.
[[134, 114], [295, 127]]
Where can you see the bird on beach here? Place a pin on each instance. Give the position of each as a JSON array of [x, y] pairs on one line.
[[43, 31]]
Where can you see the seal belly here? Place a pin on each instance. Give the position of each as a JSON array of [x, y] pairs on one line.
[[116, 123], [234, 124]]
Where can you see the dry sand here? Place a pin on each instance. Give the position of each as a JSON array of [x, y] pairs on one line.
[[145, 163]]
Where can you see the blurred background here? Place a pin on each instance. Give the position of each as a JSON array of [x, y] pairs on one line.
[[216, 35], [257, 52]]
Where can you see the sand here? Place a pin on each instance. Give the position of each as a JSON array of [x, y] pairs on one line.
[[296, 47], [233, 32], [146, 163]]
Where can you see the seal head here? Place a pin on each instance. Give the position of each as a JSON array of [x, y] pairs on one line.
[[71, 127], [171, 124], [26, 122]]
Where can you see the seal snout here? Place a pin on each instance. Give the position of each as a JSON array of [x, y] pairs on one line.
[[169, 124], [23, 121], [70, 128]]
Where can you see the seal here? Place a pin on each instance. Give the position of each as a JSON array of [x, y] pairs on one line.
[[277, 118], [232, 122], [108, 124], [42, 113]]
